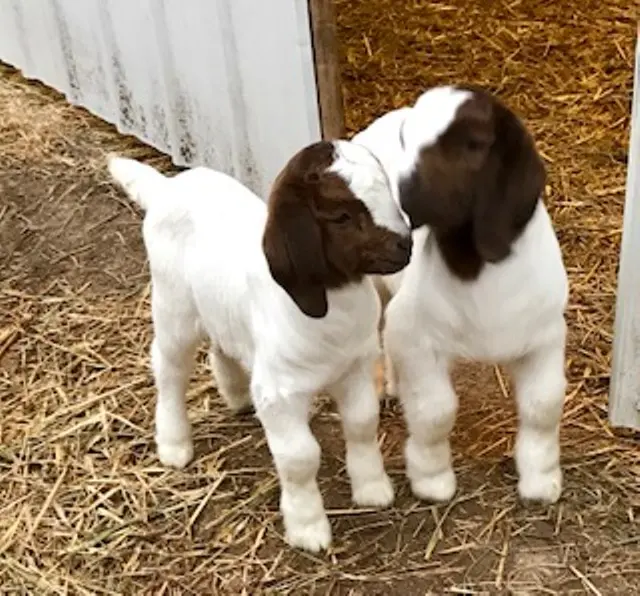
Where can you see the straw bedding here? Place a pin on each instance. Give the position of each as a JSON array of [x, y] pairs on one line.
[[86, 508]]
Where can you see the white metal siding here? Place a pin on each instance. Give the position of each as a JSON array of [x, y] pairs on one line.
[[224, 83], [624, 398]]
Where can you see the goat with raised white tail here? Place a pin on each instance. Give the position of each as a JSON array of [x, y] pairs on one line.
[[282, 292]]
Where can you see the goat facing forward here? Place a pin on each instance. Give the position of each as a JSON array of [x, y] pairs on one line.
[[486, 281]]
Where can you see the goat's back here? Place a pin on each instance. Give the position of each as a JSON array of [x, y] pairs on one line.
[[204, 246], [211, 214]]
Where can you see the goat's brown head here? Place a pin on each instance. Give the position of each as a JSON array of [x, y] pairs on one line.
[[472, 174], [332, 220]]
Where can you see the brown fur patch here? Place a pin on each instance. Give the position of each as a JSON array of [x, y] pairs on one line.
[[477, 186], [320, 236]]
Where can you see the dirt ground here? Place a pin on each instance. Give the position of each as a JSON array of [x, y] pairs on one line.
[[85, 506]]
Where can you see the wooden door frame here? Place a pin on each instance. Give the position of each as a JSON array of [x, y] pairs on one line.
[[326, 51]]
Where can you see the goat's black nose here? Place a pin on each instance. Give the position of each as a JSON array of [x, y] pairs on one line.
[[405, 243]]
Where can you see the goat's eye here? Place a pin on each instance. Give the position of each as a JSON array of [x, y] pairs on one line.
[[343, 217]]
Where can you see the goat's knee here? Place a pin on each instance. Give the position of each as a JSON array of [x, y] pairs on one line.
[[428, 452], [297, 462]]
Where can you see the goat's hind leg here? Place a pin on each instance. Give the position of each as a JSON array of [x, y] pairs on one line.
[[233, 382], [176, 337], [390, 377]]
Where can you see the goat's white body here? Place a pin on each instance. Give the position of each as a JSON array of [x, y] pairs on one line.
[[203, 234], [513, 313], [509, 310], [208, 250]]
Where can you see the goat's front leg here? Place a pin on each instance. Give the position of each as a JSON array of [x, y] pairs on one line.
[[296, 454], [429, 404], [540, 385], [359, 408]]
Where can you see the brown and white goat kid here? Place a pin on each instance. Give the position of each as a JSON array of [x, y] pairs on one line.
[[282, 292], [486, 280]]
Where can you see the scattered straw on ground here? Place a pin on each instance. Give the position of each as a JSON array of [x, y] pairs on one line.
[[86, 508]]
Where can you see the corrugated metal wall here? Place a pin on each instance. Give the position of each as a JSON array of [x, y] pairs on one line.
[[224, 83]]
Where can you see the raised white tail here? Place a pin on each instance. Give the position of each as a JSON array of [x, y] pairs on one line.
[[142, 183]]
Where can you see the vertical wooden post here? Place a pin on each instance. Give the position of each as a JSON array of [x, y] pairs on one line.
[[624, 397], [326, 55]]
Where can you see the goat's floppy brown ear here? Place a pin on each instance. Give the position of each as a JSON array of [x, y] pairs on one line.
[[292, 245], [506, 202]]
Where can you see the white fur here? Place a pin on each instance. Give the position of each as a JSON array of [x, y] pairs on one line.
[[382, 138], [431, 115], [362, 170], [203, 233], [512, 314]]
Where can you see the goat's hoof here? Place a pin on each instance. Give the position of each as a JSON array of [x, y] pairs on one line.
[[312, 536], [439, 487], [542, 487], [176, 455], [374, 493]]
